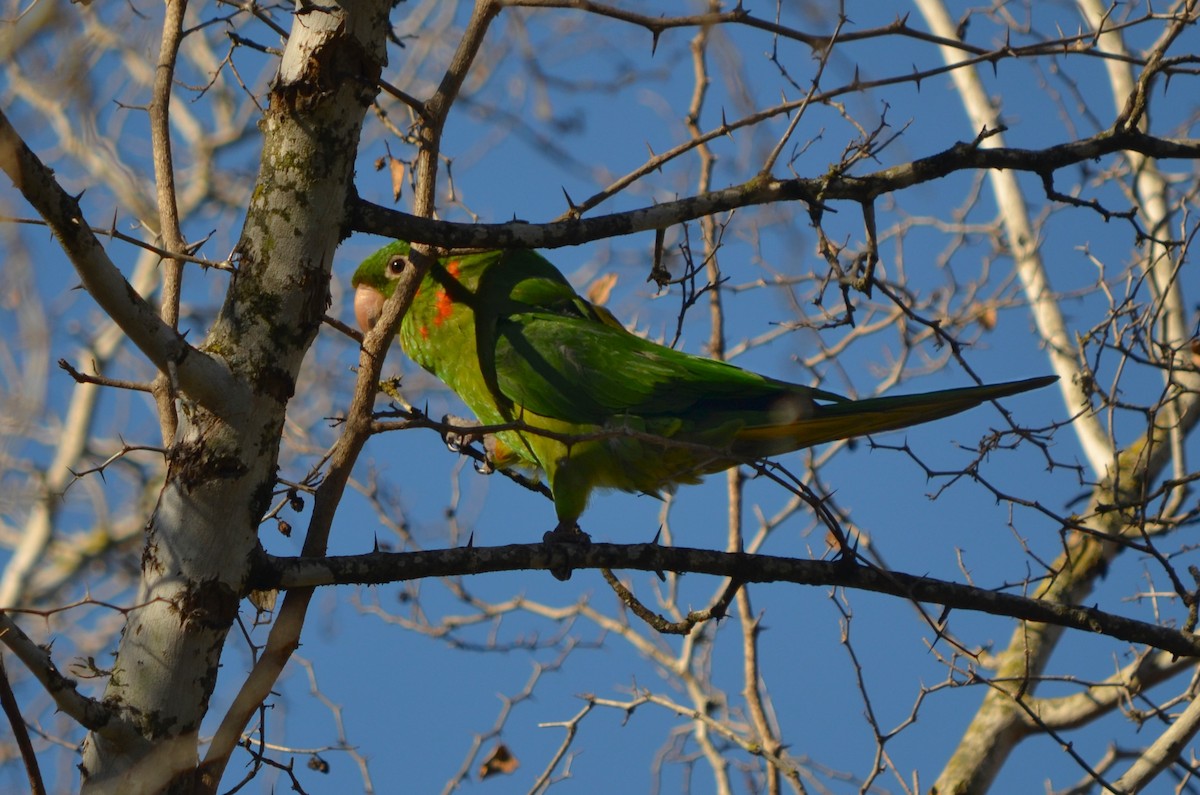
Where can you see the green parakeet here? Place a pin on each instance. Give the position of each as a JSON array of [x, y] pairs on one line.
[[598, 406]]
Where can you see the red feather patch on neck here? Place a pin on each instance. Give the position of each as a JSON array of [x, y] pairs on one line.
[[445, 304]]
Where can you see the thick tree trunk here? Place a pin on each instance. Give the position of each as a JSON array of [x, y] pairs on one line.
[[222, 469]]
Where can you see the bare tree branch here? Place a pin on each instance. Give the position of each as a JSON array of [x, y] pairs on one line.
[[374, 219], [381, 567], [204, 378]]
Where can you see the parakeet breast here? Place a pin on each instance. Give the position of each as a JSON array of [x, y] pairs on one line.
[[439, 333]]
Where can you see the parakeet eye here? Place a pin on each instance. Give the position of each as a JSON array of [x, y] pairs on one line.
[[396, 265]]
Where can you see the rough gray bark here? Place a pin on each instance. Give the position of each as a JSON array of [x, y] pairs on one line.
[[198, 550]]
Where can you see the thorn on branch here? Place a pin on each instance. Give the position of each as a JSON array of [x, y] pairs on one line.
[[572, 207], [99, 468], [986, 133]]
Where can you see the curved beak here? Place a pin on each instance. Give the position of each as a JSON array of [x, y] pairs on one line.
[[368, 306]]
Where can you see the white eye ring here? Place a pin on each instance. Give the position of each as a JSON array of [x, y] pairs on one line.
[[396, 265]]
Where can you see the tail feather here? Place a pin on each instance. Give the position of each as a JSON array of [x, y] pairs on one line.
[[848, 418]]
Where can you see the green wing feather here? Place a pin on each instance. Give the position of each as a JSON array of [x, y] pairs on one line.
[[578, 370]]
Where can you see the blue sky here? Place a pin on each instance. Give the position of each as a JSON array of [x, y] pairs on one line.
[[411, 703]]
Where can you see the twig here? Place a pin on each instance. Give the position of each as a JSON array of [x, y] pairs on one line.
[[88, 712], [661, 624], [185, 255], [99, 380], [12, 710]]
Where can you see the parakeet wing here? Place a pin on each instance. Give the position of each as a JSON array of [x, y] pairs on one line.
[[580, 370]]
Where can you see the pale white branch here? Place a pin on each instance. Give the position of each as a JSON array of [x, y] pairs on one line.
[[1043, 302], [1162, 752], [37, 531]]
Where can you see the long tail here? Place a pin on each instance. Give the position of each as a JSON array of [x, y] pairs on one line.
[[844, 419]]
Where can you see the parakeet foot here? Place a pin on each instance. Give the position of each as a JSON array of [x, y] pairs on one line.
[[459, 437], [565, 532]]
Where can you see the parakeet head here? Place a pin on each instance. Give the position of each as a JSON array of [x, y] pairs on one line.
[[375, 280]]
